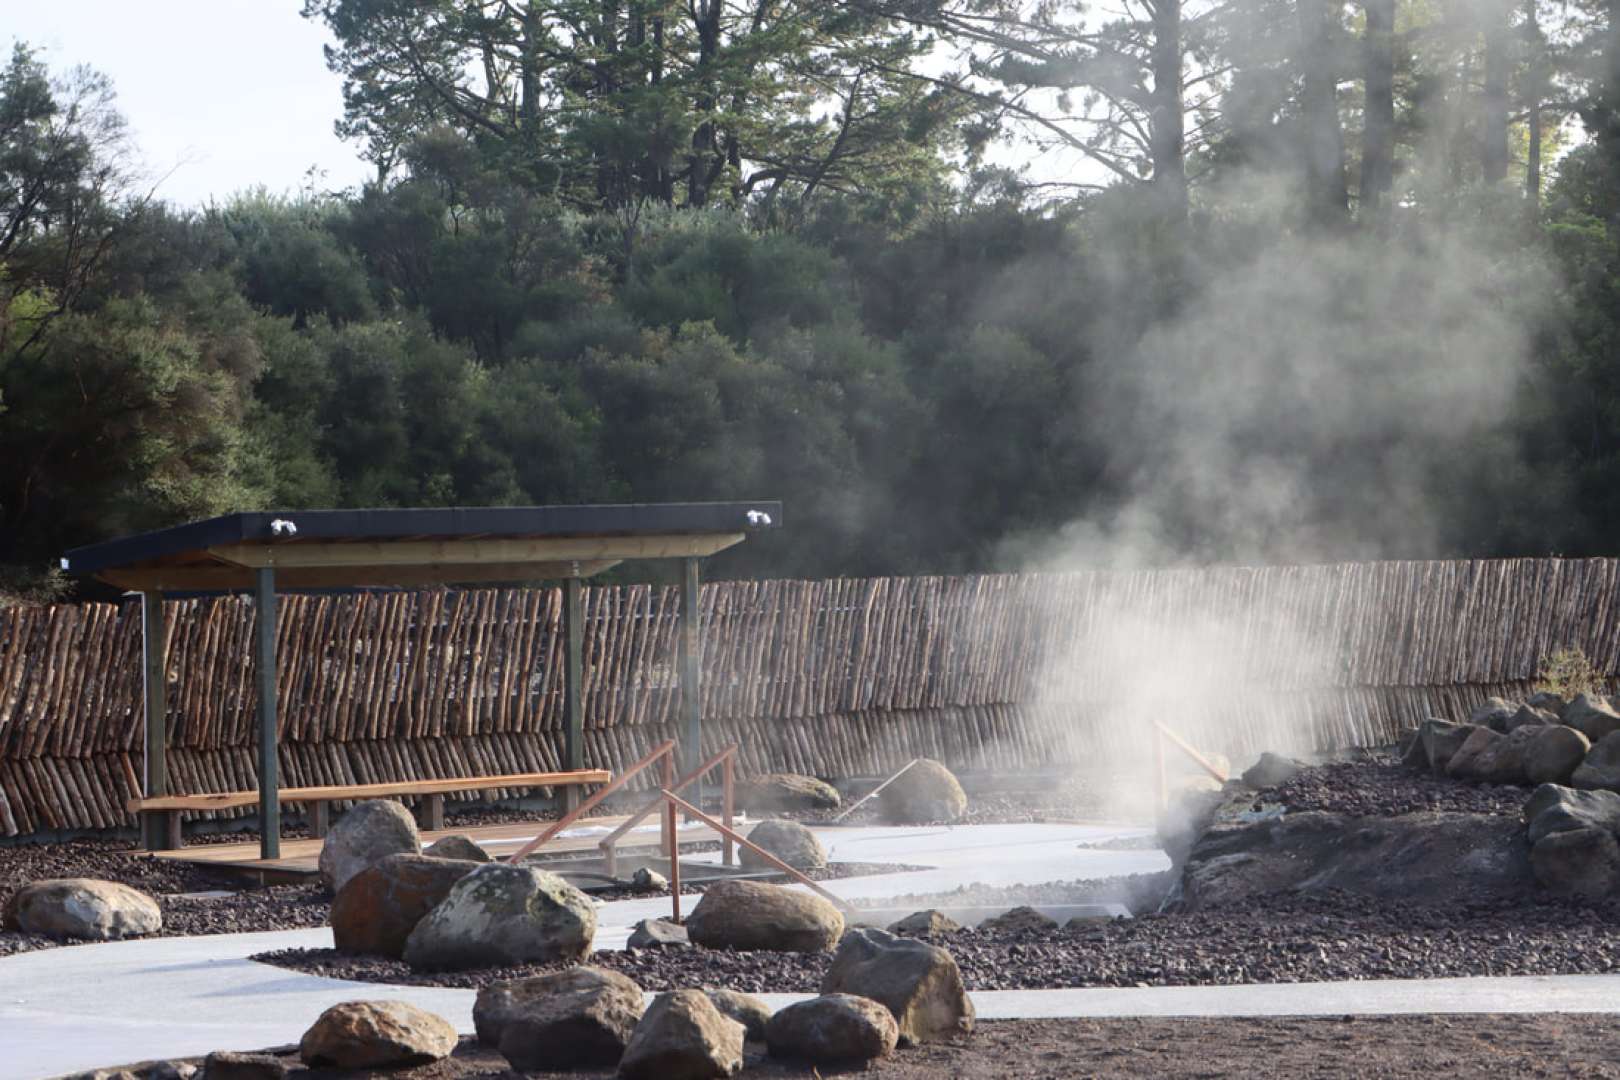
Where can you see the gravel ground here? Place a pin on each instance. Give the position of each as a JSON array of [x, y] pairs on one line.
[[1382, 1046], [1287, 938], [1384, 788]]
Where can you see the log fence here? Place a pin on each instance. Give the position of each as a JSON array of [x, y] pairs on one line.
[[838, 677]]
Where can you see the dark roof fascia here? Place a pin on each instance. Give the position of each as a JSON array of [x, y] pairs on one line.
[[397, 524]]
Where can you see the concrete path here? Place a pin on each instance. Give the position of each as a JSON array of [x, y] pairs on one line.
[[75, 1008]]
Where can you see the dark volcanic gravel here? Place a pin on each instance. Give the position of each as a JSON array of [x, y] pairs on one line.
[[1384, 788], [1287, 938]]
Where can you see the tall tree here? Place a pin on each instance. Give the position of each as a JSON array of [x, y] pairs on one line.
[[1327, 195], [1378, 112], [608, 102], [1495, 16]]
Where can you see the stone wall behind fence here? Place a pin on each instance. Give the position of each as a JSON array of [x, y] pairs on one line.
[[838, 677]]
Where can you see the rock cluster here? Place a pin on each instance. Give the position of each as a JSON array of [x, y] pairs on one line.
[[1545, 740], [1574, 839]]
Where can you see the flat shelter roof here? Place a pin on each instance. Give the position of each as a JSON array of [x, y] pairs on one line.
[[453, 545]]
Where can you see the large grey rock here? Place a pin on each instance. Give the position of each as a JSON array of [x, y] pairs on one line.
[[1581, 863], [1530, 716], [1600, 767], [574, 1022], [1592, 716], [749, 1011], [1494, 713], [1552, 808], [376, 1035], [229, 1065], [456, 846], [931, 921], [919, 983], [924, 793], [376, 910], [1019, 919], [1271, 770], [657, 934], [1492, 758], [787, 791], [682, 1036], [1547, 700], [649, 879], [753, 915], [787, 840], [1554, 754], [832, 1029], [1441, 740], [1429, 857], [556, 999], [501, 914], [83, 908], [370, 831]]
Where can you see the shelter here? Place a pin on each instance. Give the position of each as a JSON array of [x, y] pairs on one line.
[[270, 552]]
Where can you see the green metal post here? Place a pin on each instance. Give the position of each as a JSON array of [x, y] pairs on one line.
[[691, 659], [155, 826], [264, 599], [573, 683]]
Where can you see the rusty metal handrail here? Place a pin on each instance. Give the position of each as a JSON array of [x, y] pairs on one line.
[[675, 801], [1160, 734], [726, 757], [662, 750]]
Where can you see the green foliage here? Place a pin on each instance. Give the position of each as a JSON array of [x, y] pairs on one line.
[[1568, 673]]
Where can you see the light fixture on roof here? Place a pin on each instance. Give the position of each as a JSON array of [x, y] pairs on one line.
[[758, 518], [283, 527]]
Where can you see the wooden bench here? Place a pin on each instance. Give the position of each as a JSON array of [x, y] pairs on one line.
[[318, 799]]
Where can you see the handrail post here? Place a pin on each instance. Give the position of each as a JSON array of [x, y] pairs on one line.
[[670, 824], [792, 872], [668, 782], [727, 773]]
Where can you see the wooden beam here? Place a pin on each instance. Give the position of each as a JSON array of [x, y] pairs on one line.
[[223, 577], [158, 829], [264, 602], [227, 800], [474, 552], [691, 662], [573, 756]]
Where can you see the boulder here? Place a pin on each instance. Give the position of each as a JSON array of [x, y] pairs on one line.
[[226, 1065], [924, 793], [749, 1011], [1411, 749], [1439, 858], [926, 922], [1554, 754], [370, 831], [1600, 767], [1441, 740], [501, 914], [583, 991], [832, 1029], [649, 880], [1019, 919], [83, 908], [918, 983], [1494, 713], [682, 1036], [1492, 758], [376, 910], [657, 934], [1547, 701], [457, 846], [787, 840], [1270, 771], [1581, 863], [1530, 716], [1592, 716], [1559, 809], [376, 1035], [787, 791], [575, 1019], [753, 915]]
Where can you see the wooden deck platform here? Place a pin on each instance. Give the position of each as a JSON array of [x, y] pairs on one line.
[[299, 857]]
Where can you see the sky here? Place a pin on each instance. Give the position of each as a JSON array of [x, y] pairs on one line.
[[221, 95]]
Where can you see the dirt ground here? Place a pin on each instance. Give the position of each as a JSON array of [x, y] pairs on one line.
[[1380, 1046]]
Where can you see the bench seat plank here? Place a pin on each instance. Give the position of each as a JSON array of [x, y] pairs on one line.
[[227, 800]]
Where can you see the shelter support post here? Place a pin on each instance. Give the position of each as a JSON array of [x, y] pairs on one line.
[[573, 684], [160, 829], [264, 602], [691, 658]]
